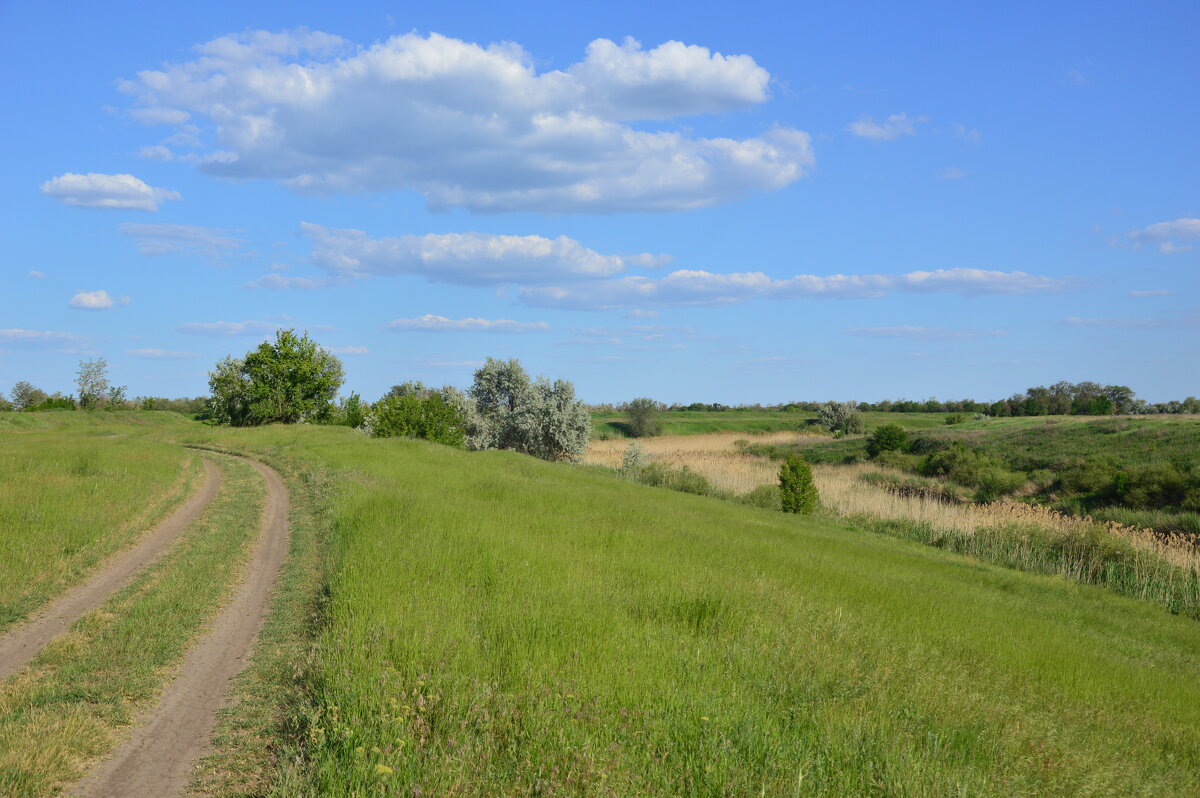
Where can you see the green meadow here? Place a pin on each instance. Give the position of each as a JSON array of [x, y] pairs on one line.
[[490, 624]]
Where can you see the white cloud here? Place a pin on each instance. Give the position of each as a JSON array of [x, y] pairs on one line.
[[157, 152], [890, 129], [36, 274], [431, 323], [969, 135], [638, 313], [687, 287], [95, 300], [1167, 235], [923, 333], [278, 281], [952, 173], [228, 328], [38, 338], [1154, 292], [347, 350], [473, 126], [186, 239], [464, 258], [160, 354], [121, 192], [1190, 322]]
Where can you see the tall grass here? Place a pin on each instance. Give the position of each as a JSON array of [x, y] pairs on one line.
[[72, 495], [500, 626]]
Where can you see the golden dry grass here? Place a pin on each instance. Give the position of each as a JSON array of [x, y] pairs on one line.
[[717, 457]]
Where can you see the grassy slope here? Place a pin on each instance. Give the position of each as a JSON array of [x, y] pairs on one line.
[[70, 704], [497, 625], [74, 488]]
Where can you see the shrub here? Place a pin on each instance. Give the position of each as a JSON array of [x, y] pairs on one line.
[[25, 396], [888, 438], [682, 479], [412, 417], [540, 418], [634, 458], [643, 418], [840, 418], [955, 418], [765, 496], [898, 460], [797, 493]]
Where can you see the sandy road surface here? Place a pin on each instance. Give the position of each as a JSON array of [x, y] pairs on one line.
[[160, 757], [22, 643]]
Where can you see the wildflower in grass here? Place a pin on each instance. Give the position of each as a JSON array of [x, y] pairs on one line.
[[382, 770]]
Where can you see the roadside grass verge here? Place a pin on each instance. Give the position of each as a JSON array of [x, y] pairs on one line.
[[69, 706], [496, 626], [69, 497]]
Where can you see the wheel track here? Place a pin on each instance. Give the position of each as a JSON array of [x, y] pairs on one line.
[[21, 644], [159, 758]]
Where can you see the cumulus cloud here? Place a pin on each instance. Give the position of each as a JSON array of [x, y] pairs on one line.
[[228, 328], [432, 323], [1168, 236], [95, 300], [473, 126], [160, 354], [120, 192], [890, 129], [922, 333], [463, 258], [689, 287], [186, 239]]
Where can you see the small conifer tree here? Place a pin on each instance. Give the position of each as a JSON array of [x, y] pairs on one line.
[[797, 493]]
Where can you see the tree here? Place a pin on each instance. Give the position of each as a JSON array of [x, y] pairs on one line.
[[888, 438], [797, 492], [410, 416], [541, 418], [286, 381], [643, 418], [92, 380], [25, 396], [353, 411]]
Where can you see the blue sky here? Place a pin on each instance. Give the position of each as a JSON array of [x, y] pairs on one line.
[[751, 202]]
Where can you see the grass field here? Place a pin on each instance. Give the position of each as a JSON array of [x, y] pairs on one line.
[[73, 489], [72, 704], [498, 625]]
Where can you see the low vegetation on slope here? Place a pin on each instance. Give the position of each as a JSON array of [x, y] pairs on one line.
[[498, 625]]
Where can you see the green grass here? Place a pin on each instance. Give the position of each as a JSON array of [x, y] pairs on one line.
[[68, 705], [686, 422], [74, 488], [495, 625]]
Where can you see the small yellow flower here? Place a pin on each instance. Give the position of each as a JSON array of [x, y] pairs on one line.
[[382, 770]]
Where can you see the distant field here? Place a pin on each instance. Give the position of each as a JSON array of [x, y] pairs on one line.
[[496, 625], [687, 422], [75, 487]]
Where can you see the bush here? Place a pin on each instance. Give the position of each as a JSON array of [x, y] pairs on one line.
[[643, 418], [291, 380], [955, 418], [898, 460], [797, 493], [765, 496], [634, 458], [540, 418], [840, 418], [683, 479], [888, 438], [412, 417]]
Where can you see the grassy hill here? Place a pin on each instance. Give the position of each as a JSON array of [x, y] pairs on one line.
[[498, 625], [692, 422]]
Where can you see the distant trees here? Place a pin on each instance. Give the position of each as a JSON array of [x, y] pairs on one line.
[[286, 381], [797, 491], [94, 389], [643, 415], [840, 418], [25, 396]]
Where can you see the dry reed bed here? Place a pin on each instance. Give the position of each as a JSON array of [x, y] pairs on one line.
[[717, 457]]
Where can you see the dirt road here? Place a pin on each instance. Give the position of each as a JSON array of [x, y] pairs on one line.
[[160, 757], [21, 644]]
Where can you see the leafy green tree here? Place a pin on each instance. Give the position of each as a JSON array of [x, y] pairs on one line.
[[643, 418], [797, 491], [286, 381], [353, 411], [888, 438], [840, 418]]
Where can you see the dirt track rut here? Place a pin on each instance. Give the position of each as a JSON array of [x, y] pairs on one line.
[[159, 759], [21, 644]]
